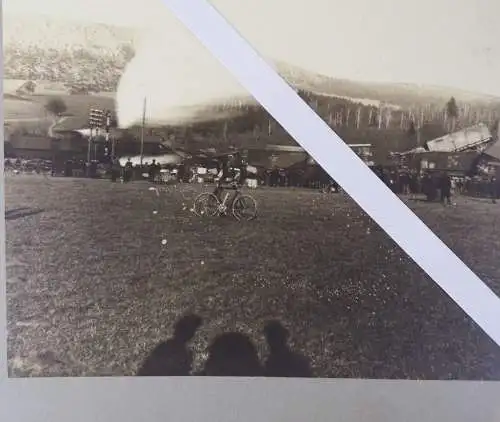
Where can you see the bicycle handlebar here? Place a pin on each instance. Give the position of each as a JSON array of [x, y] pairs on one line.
[[234, 185]]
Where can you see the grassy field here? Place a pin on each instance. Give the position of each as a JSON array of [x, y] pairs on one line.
[[79, 104], [20, 109], [92, 289], [34, 109]]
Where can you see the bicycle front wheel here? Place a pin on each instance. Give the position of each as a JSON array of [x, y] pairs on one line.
[[245, 208], [206, 205]]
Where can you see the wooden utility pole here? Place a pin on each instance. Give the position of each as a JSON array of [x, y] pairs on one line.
[[89, 147], [142, 128], [388, 118], [224, 131]]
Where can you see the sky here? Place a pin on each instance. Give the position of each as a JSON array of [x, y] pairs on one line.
[[433, 42]]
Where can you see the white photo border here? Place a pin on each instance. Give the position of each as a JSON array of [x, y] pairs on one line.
[[227, 399]]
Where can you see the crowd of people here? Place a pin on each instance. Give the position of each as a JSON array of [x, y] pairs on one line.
[[225, 167], [438, 185], [18, 165], [435, 185]]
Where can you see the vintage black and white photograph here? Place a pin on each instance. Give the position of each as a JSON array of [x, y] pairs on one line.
[[160, 222]]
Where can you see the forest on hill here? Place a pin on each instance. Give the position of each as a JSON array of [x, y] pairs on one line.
[[392, 117], [387, 129]]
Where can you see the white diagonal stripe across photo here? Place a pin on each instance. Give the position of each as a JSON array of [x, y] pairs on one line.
[[341, 163]]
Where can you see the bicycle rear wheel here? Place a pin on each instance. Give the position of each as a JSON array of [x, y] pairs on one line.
[[206, 205], [245, 208]]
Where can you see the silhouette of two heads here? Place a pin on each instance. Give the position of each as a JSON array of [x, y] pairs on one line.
[[234, 354]]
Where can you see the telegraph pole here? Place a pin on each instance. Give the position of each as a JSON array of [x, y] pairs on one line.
[[420, 126], [95, 143], [95, 122], [89, 147], [108, 126], [142, 129]]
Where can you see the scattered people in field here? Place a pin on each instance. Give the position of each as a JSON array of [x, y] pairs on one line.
[[232, 173], [241, 166], [445, 188], [404, 180], [282, 178], [115, 169], [93, 169], [154, 169], [429, 187], [453, 187], [68, 168], [127, 171], [181, 173], [274, 178], [460, 186], [282, 361], [173, 357], [232, 355], [223, 175], [414, 184]]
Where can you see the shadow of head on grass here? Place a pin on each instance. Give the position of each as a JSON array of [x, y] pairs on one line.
[[173, 357], [230, 354], [234, 354], [282, 361]]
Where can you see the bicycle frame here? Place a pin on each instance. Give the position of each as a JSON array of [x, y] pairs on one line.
[[223, 206]]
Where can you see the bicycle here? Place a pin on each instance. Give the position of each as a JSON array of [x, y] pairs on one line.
[[208, 204]]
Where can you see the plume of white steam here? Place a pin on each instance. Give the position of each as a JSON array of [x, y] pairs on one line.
[[177, 76]]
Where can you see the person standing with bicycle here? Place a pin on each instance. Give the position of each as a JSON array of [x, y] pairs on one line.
[[211, 204], [228, 175]]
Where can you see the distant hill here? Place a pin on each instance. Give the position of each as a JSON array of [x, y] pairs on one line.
[[402, 94], [89, 47], [81, 55], [44, 32], [87, 57]]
